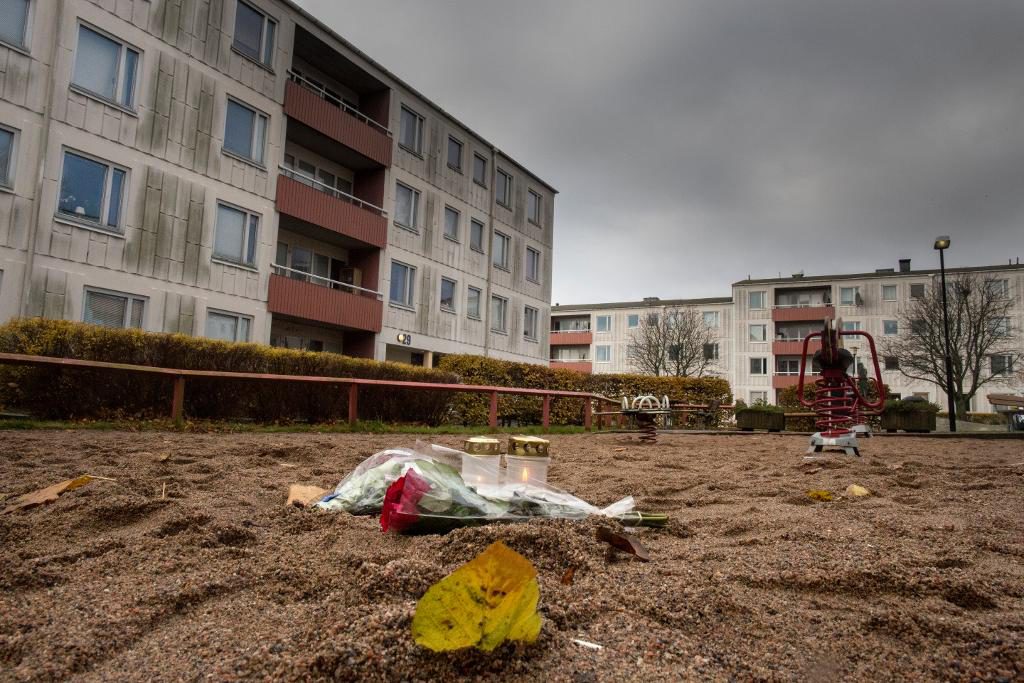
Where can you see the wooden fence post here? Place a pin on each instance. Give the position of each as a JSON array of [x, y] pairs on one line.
[[588, 412], [545, 415], [353, 404], [178, 400], [493, 418]]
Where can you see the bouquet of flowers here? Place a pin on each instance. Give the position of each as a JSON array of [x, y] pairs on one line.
[[420, 490]]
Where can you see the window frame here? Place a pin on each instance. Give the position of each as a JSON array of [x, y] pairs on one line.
[[418, 130], [26, 31], [455, 286], [895, 328], [535, 252], [630, 318], [895, 290], [715, 351], [483, 228], [507, 178], [469, 307], [924, 290], [1004, 289], [608, 353], [761, 396], [536, 323], [717, 317], [258, 117], [763, 363], [103, 224], [415, 207], [854, 291], [264, 60], [247, 236], [131, 300], [409, 302], [458, 223], [483, 159], [890, 363], [503, 307], [1007, 369], [750, 297], [448, 153], [597, 323], [535, 220], [8, 175], [764, 332], [239, 317], [506, 251], [123, 48]]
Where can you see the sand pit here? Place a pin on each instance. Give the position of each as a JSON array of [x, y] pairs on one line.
[[752, 579]]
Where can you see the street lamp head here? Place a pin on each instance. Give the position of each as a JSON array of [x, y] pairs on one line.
[[942, 242]]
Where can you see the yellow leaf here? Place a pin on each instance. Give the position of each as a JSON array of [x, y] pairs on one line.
[[857, 491], [820, 495], [483, 603]]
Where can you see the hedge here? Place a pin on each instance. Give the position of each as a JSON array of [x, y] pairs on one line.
[[76, 393], [473, 409]]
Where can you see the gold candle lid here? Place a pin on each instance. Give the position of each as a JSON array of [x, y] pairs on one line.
[[528, 445], [482, 445]]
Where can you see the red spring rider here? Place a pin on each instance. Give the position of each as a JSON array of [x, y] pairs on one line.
[[838, 401]]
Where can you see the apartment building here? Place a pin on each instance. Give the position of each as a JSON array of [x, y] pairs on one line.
[[761, 326], [235, 169]]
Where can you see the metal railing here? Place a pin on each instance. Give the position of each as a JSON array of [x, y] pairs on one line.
[[570, 360], [822, 304], [322, 281], [582, 329], [322, 93], [310, 181]]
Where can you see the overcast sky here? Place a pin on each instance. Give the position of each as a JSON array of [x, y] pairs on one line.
[[695, 142]]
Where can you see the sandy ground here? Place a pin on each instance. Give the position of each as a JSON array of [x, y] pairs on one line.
[[752, 580]]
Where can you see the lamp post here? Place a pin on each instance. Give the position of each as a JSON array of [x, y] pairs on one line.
[[942, 243]]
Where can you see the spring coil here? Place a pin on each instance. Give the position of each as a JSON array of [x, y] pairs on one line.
[[648, 425], [835, 405]]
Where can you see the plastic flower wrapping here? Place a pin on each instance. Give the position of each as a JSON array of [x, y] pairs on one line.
[[421, 490]]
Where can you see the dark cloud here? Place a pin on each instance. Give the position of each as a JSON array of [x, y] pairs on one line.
[[696, 142]]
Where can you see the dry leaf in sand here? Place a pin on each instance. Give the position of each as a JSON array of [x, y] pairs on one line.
[[625, 542], [50, 493], [304, 496]]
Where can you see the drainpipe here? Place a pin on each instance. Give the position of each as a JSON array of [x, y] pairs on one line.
[[44, 139], [489, 251]]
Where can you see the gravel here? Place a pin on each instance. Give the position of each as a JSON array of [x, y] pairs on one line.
[[190, 566]]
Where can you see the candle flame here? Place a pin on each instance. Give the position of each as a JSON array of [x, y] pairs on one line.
[[526, 474]]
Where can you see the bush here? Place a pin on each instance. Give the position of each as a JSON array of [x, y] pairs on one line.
[[77, 393], [760, 408], [900, 406], [472, 409]]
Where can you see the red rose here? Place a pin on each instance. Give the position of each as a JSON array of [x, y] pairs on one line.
[[399, 512]]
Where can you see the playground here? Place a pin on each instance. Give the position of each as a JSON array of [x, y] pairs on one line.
[[189, 564]]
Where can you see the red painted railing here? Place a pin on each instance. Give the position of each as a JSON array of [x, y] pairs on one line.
[[305, 300], [331, 213], [305, 105]]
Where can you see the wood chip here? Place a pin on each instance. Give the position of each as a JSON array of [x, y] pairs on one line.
[[303, 496], [568, 576]]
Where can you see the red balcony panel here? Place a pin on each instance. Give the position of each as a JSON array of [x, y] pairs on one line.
[[797, 314], [794, 348], [319, 208], [583, 366], [306, 106], [786, 381], [571, 338], [298, 299]]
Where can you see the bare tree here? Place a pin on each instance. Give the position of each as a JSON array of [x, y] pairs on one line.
[[984, 343], [677, 342]]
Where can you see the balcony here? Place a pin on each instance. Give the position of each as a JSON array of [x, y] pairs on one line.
[[794, 347], [786, 380], [572, 338], [337, 304], [785, 314], [309, 200], [320, 110], [583, 366]]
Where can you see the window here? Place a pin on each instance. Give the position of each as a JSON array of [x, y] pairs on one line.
[[999, 327], [407, 206], [603, 354], [890, 327], [8, 155], [410, 131], [499, 250], [105, 67], [479, 170], [476, 235], [448, 294], [473, 303], [230, 327], [530, 323], [632, 320], [454, 154], [254, 34], [402, 277], [756, 300], [998, 288], [499, 313], [532, 264], [14, 27], [758, 333], [851, 325], [849, 296], [245, 132], [451, 223], [758, 366], [1002, 364], [113, 309], [92, 191], [919, 327], [711, 352], [503, 193], [236, 235], [787, 366], [917, 291], [888, 292], [604, 323], [533, 207], [758, 397], [711, 318], [892, 363]]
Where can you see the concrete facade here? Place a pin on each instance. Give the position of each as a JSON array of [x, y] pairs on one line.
[[317, 102], [779, 310]]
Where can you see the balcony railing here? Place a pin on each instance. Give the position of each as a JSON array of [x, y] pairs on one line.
[[336, 101], [577, 365], [348, 307], [322, 281], [802, 313], [563, 338], [299, 196], [329, 190]]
